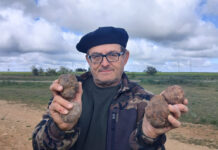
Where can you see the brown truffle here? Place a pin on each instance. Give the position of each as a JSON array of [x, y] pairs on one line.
[[70, 88], [157, 110], [174, 95]]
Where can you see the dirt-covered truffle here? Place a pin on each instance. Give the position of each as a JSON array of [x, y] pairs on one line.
[[70, 88], [157, 110], [174, 95]]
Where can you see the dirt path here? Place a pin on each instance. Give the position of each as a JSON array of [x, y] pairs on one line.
[[17, 122]]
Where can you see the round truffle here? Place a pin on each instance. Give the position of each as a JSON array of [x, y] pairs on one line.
[[157, 112], [70, 86], [174, 95]]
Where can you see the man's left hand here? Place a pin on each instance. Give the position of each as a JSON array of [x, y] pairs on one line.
[[175, 110]]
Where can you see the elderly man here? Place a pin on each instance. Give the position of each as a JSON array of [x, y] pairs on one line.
[[113, 108]]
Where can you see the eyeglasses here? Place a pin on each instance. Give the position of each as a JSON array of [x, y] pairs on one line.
[[111, 57]]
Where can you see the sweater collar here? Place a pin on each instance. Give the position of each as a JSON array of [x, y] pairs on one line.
[[124, 81]]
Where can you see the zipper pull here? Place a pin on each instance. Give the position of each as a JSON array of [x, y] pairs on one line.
[[113, 121], [113, 116]]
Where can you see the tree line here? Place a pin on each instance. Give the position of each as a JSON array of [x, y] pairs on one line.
[[51, 71], [150, 70]]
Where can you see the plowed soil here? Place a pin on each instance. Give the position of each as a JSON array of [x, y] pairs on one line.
[[17, 122]]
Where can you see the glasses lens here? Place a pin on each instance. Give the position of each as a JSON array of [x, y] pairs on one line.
[[113, 56], [96, 58]]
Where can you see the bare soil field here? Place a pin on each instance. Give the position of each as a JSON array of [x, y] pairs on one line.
[[17, 122]]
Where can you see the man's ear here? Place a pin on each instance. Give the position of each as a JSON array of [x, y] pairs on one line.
[[126, 57], [88, 60]]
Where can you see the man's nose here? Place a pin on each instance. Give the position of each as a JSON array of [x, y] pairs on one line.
[[104, 62]]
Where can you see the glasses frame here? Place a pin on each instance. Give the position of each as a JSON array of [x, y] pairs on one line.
[[106, 56]]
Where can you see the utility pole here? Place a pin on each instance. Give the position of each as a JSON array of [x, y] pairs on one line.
[[8, 68], [190, 65], [178, 65]]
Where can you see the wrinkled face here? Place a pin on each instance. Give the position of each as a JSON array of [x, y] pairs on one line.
[[105, 73]]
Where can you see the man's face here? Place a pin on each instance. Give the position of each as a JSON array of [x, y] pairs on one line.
[[106, 73]]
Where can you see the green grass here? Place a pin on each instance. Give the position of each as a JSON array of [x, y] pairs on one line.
[[201, 90], [27, 76], [16, 73], [25, 92], [203, 102]]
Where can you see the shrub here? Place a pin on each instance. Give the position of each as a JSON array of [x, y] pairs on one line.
[[64, 70], [150, 70], [35, 71], [51, 72], [80, 70]]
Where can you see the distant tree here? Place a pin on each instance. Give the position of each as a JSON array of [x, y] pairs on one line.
[[80, 70], [51, 72], [41, 71], [64, 70], [151, 70], [35, 71]]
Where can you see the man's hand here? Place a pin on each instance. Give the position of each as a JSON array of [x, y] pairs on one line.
[[176, 111], [60, 105]]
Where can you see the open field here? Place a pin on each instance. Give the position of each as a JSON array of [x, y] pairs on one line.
[[201, 89]]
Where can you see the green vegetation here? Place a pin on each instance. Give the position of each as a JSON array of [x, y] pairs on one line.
[[53, 72], [26, 92], [150, 70], [201, 90]]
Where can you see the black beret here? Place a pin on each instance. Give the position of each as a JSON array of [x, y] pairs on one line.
[[103, 35]]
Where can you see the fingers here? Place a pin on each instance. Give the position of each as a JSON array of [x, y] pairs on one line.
[[175, 110], [162, 92], [55, 87], [151, 131], [60, 105], [58, 120], [58, 108], [185, 102], [182, 108], [59, 102], [175, 123]]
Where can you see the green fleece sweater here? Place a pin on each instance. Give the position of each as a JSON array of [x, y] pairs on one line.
[[93, 120]]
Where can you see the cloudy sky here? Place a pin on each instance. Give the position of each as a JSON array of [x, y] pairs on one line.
[[170, 35]]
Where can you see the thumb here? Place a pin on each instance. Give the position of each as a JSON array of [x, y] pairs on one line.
[[78, 97]]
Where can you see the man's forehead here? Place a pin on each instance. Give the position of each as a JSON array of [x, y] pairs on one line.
[[105, 48]]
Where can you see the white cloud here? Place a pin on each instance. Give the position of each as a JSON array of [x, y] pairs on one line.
[[210, 7], [24, 34], [163, 33]]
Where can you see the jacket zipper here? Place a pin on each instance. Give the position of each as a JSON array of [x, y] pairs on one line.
[[113, 129]]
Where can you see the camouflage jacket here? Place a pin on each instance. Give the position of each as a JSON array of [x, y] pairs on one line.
[[124, 131]]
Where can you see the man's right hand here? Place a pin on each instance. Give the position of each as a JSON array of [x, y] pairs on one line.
[[60, 105]]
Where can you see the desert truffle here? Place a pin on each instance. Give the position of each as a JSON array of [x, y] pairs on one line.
[[70, 88], [157, 109]]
